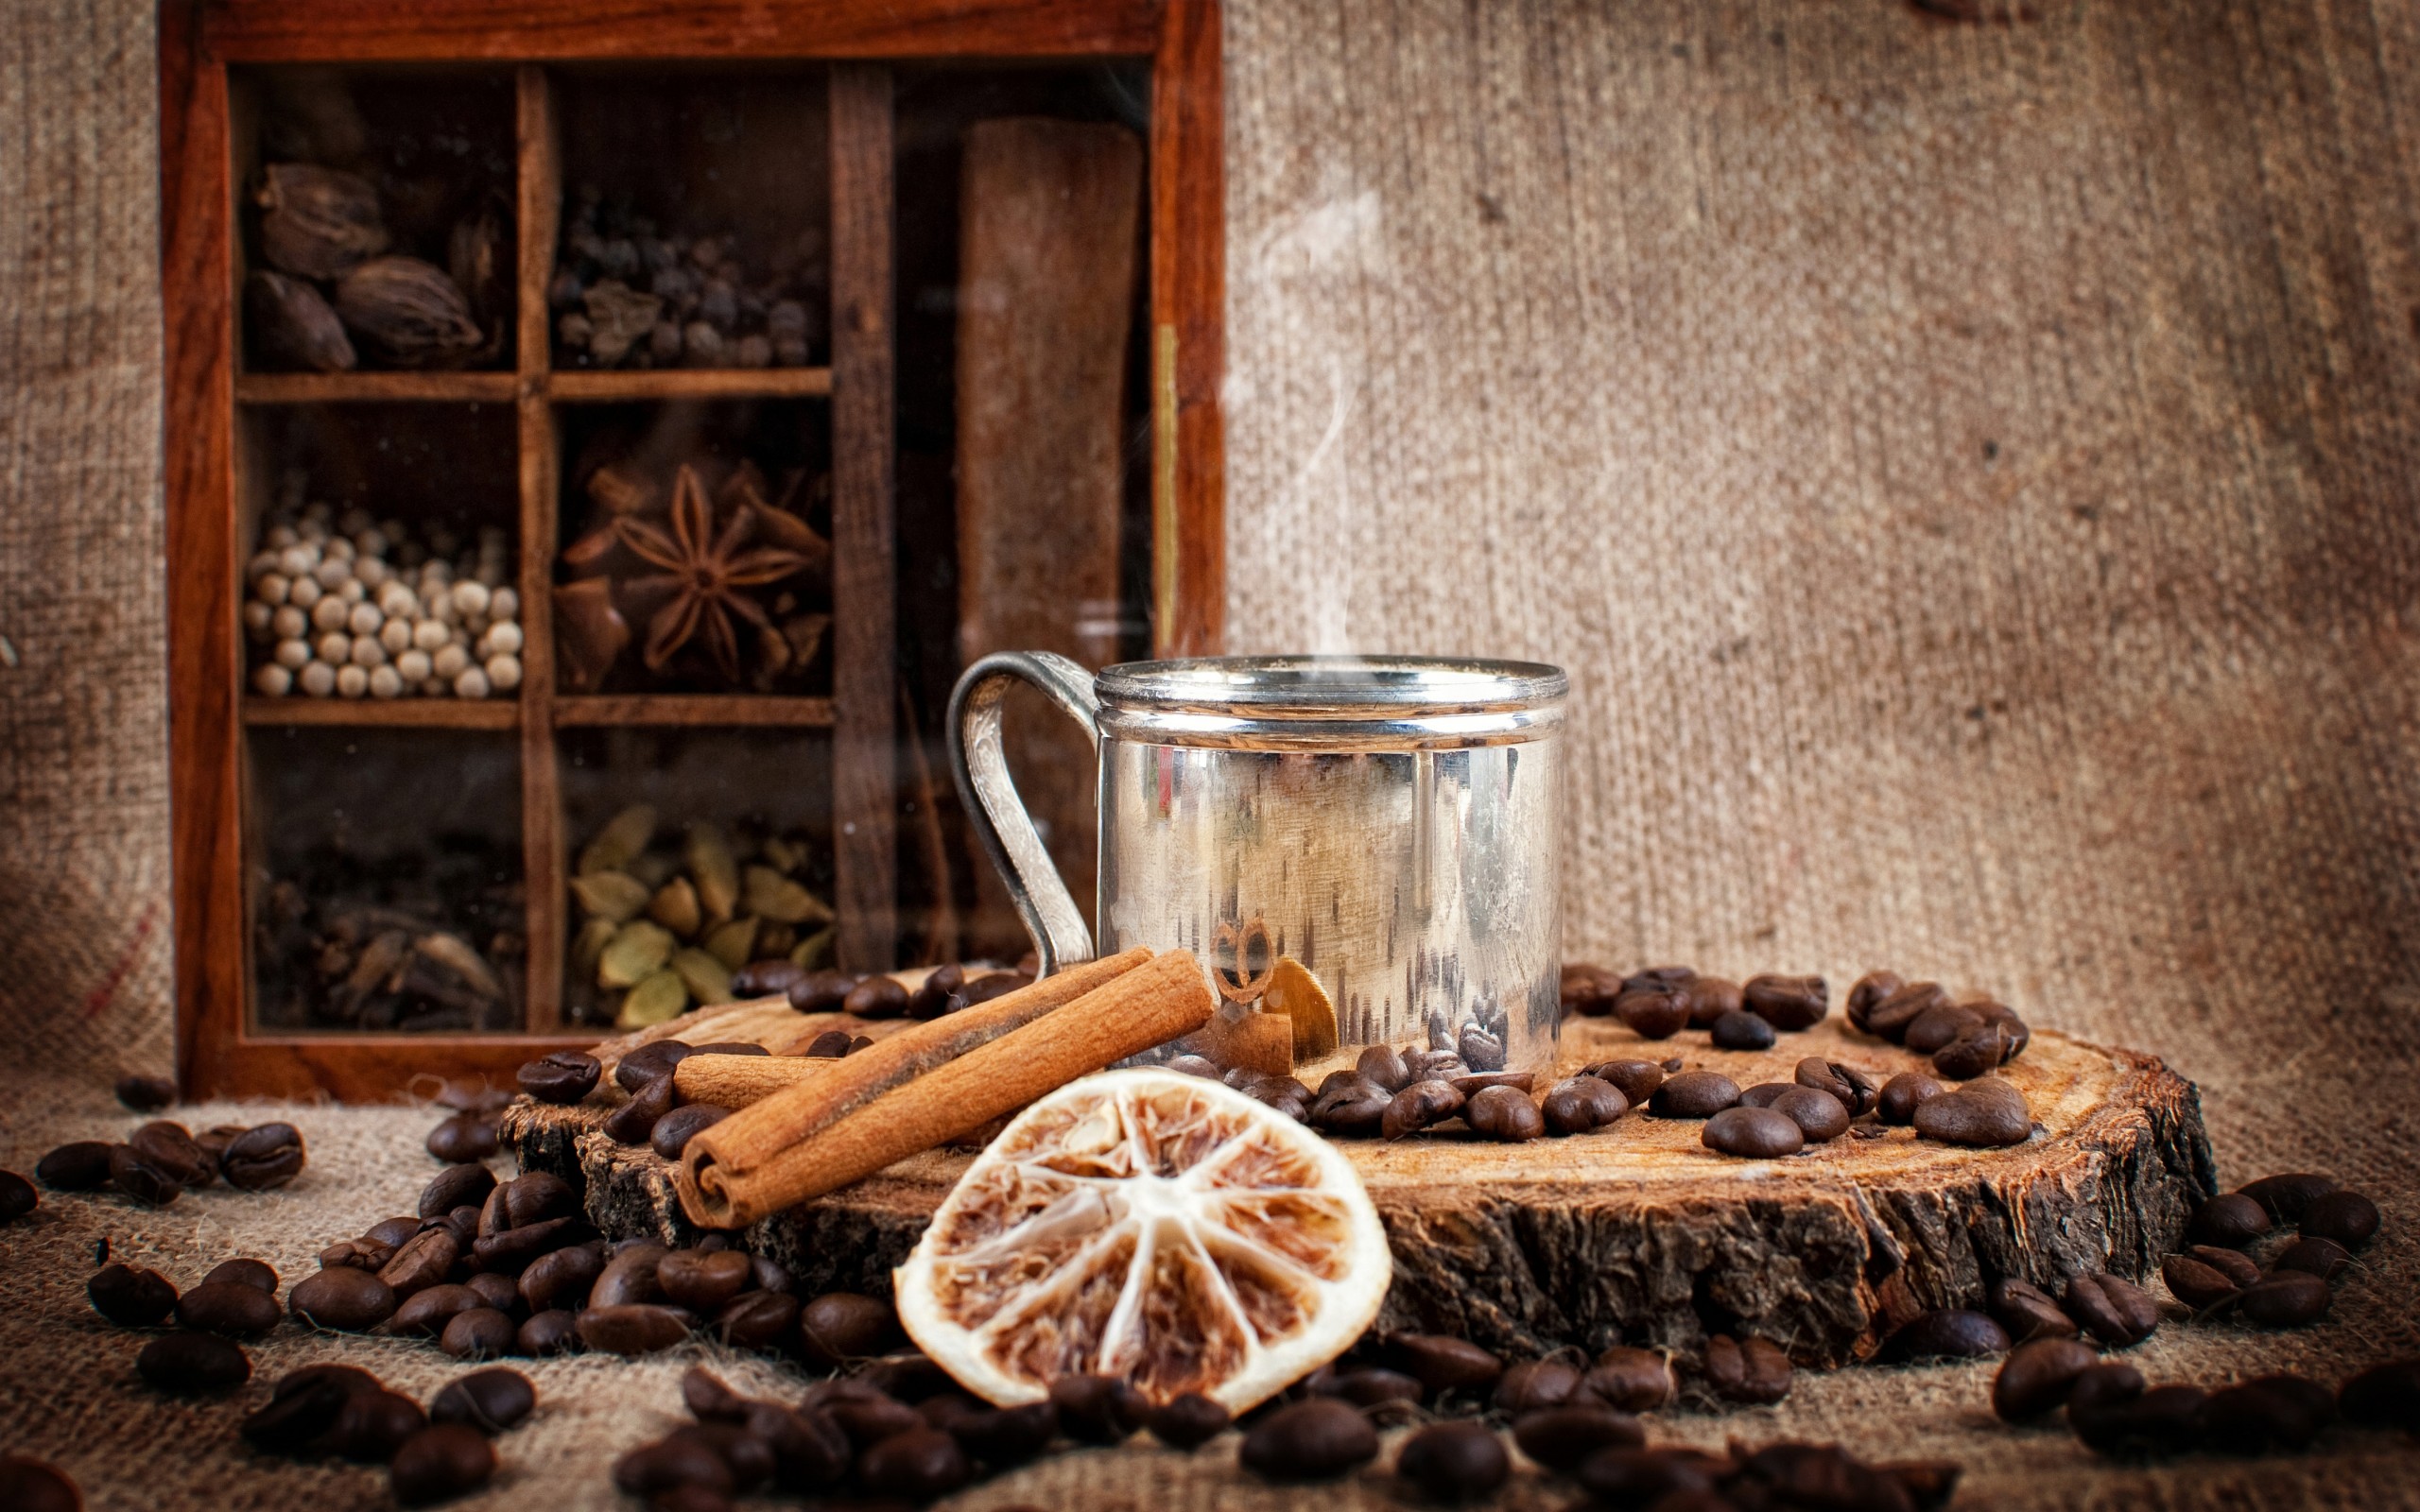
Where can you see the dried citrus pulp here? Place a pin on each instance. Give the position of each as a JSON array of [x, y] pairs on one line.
[[1151, 1226]]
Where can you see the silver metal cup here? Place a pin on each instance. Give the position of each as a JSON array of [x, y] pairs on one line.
[[1393, 825]]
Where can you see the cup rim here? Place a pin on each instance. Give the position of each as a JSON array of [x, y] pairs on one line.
[[1319, 686]]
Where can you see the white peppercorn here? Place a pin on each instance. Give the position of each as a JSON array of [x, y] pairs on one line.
[[351, 681], [335, 648], [332, 571], [414, 666], [367, 652], [259, 618], [263, 563], [306, 591], [298, 559], [396, 636], [280, 537], [504, 604], [338, 549], [330, 613], [471, 598], [429, 635], [272, 679], [471, 682], [289, 623], [272, 588], [503, 637], [292, 654], [395, 601], [504, 671], [449, 661], [386, 682], [319, 679], [373, 571], [350, 590], [364, 619]]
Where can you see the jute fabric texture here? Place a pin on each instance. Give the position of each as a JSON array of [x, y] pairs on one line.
[[1967, 467]]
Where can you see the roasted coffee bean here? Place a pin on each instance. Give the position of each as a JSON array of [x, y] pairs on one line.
[[561, 1278], [341, 1298], [492, 1401], [2112, 1309], [1787, 1002], [1630, 1378], [28, 1485], [1580, 1105], [1481, 1051], [1636, 1080], [2234, 1264], [146, 1094], [169, 1146], [702, 1282], [1937, 1025], [2285, 1300], [439, 1463], [425, 1260], [672, 1462], [1666, 1479], [1561, 1437], [373, 1425], [562, 1079], [1754, 1133], [932, 998], [1657, 976], [1368, 1388], [477, 1333], [358, 1254], [2233, 1220], [1789, 1475], [256, 1274], [1311, 1440], [635, 1120], [1419, 1105], [771, 978], [1897, 1101], [351, 1378], [1751, 1369], [261, 1158], [193, 1365], [129, 1298], [555, 1331], [1504, 1114], [1851, 1087], [2037, 1376], [2193, 1283], [2163, 1420], [457, 1186], [1100, 1409], [2323, 1258], [2287, 1195], [2098, 1395], [1285, 1094], [1742, 1031], [292, 1420], [822, 992], [140, 1179], [428, 1310], [629, 1275], [2385, 1396], [1479, 1081], [756, 1320], [1187, 1422], [225, 1307], [1819, 1114], [1930, 1482], [873, 1416], [509, 1253], [1869, 993], [1710, 998], [1440, 1361], [472, 1097], [1354, 1108], [675, 1129], [840, 1326], [2347, 1217], [634, 1327], [2028, 1312], [809, 1450], [919, 1465], [501, 1292], [17, 1197], [2281, 1412], [650, 1062], [710, 1399], [984, 989], [1534, 1385], [1765, 1093], [1454, 1462], [1974, 1052], [946, 1408], [877, 997], [463, 1138], [1947, 1333], [1694, 1094], [1588, 991], [1653, 1012], [463, 1223], [1383, 1067], [1986, 1112], [1891, 1018]]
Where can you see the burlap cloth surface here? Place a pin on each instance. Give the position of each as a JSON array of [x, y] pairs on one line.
[[1967, 467]]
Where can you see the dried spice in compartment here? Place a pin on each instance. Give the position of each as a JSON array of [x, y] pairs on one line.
[[347, 607], [664, 918], [625, 297], [718, 587], [427, 940]]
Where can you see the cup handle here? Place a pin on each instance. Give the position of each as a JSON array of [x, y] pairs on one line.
[[989, 794]]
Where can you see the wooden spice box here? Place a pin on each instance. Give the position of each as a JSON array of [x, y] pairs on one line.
[[492, 441]]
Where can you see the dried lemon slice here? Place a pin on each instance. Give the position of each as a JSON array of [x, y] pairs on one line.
[[1150, 1225]]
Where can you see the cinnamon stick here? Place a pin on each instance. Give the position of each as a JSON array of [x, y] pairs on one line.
[[742, 1081], [827, 1133]]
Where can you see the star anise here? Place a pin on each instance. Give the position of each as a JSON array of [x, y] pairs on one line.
[[707, 574]]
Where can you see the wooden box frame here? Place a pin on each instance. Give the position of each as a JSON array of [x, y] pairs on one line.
[[219, 1054]]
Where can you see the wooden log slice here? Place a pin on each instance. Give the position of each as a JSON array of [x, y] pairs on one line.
[[1636, 1232]]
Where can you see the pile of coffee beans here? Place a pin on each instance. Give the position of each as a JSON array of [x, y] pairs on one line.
[[1964, 1040], [944, 989], [2114, 1411], [2217, 1278], [163, 1159], [200, 1355], [1662, 1000], [432, 1455]]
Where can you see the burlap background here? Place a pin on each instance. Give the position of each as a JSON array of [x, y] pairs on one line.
[[1966, 467]]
